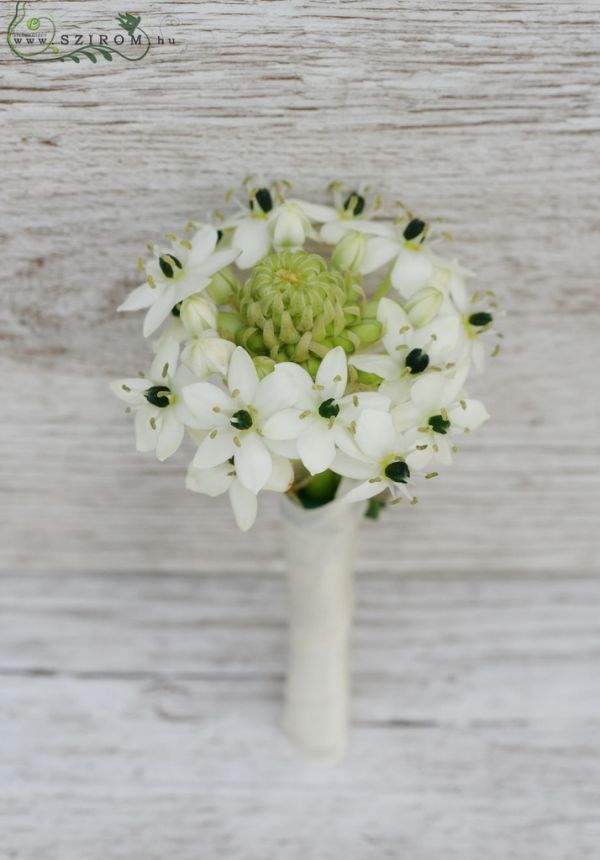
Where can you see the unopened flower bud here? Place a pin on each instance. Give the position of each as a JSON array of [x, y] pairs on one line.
[[222, 286], [198, 314], [350, 251], [229, 324], [423, 306], [264, 365], [368, 331], [291, 227]]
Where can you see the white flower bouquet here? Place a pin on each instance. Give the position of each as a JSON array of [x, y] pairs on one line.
[[315, 351]]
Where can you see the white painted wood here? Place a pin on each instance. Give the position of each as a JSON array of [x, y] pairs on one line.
[[139, 718], [486, 113]]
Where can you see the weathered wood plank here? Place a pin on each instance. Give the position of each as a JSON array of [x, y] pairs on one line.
[[139, 718], [488, 115]]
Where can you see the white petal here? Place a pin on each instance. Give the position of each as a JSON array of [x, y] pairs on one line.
[[252, 239], [443, 454], [316, 212], [242, 375], [334, 231], [146, 435], [397, 390], [273, 393], [427, 393], [159, 311], [141, 297], [285, 448], [164, 365], [217, 261], [253, 462], [411, 271], [346, 465], [316, 447], [472, 415], [373, 228], [382, 365], [170, 435], [215, 450], [202, 398], [130, 390], [244, 505], [282, 475], [203, 243], [380, 250], [364, 491], [218, 352], [417, 460], [285, 424], [193, 282], [333, 374], [375, 433], [211, 482], [353, 404], [406, 416], [396, 326]]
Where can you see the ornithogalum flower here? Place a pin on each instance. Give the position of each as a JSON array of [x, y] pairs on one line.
[[156, 398], [234, 419], [173, 273]]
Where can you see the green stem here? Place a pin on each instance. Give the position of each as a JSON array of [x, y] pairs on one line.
[[318, 490]]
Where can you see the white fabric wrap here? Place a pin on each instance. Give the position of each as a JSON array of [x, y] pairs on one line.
[[320, 551]]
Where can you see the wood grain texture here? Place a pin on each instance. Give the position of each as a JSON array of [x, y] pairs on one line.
[[485, 113], [139, 717]]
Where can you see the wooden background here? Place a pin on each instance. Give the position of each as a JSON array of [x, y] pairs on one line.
[[486, 113], [139, 704]]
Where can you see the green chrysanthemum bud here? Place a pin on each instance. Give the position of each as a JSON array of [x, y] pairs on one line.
[[423, 305], [294, 308]]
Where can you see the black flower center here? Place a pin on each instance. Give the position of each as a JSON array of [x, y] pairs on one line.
[[413, 229], [241, 420], [397, 471], [168, 263], [417, 360], [176, 310], [480, 319], [354, 203], [263, 200], [439, 424], [158, 395], [329, 409]]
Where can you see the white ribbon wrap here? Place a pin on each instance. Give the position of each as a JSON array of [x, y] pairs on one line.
[[320, 551]]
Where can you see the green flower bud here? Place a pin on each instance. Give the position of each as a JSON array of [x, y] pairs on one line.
[[350, 251], [222, 286], [229, 324], [423, 306], [293, 307], [264, 365], [367, 331]]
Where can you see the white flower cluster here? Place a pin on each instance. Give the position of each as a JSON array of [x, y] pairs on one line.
[[282, 369]]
